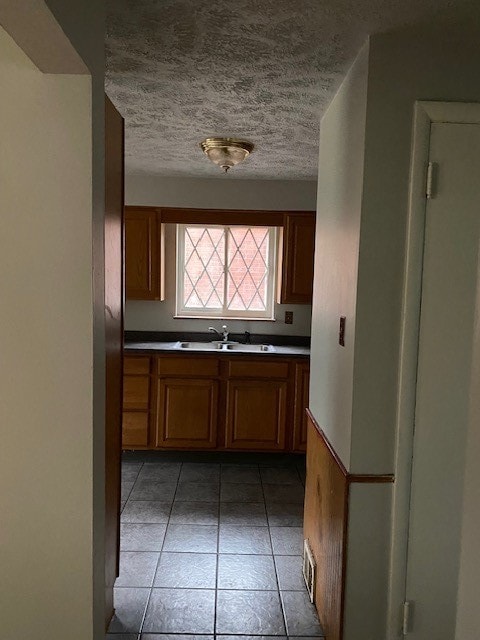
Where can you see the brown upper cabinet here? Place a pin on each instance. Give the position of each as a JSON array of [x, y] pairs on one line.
[[144, 254], [144, 247], [297, 254]]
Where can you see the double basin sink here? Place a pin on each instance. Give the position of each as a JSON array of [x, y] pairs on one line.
[[224, 346]]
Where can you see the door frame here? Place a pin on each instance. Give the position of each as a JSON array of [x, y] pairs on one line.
[[425, 114]]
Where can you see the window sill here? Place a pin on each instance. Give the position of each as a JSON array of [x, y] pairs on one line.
[[225, 319]]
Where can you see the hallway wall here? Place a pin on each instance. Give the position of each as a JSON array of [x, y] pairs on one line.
[[339, 204], [83, 22], [46, 374], [403, 67], [52, 203]]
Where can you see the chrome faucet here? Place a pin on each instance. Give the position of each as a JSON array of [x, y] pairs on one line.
[[223, 335]]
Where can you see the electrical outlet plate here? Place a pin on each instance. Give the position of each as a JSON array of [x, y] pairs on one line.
[[288, 317], [309, 569]]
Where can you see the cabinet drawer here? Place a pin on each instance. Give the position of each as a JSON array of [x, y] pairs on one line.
[[134, 429], [135, 365], [257, 369], [193, 366], [136, 392]]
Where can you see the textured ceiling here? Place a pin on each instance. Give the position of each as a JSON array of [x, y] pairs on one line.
[[183, 70]]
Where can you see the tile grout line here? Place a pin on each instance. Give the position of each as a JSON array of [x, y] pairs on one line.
[[273, 556], [160, 554], [300, 477], [217, 557], [133, 484], [124, 505]]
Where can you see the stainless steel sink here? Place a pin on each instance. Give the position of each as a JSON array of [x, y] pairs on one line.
[[254, 348], [225, 346], [199, 346]]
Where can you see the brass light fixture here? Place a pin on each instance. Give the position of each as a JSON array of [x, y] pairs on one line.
[[226, 152]]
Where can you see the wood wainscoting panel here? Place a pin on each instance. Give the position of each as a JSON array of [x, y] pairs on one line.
[[327, 494], [325, 518]]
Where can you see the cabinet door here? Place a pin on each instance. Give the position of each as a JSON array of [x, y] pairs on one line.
[[143, 254], [187, 413], [298, 253], [256, 411], [302, 384]]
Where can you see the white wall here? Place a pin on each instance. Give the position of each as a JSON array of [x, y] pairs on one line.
[[367, 561], [361, 219], [340, 186], [226, 193], [403, 67], [46, 468]]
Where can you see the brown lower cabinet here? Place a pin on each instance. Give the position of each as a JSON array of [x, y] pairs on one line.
[[187, 413], [198, 402], [302, 386], [256, 414], [136, 402]]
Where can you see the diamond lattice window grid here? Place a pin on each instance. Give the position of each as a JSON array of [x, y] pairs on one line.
[[225, 271]]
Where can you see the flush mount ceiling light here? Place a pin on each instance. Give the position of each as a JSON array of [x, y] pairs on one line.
[[226, 152]]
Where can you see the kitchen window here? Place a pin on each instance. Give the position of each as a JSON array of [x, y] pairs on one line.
[[226, 271]]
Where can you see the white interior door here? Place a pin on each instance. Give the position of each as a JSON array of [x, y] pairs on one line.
[[443, 380]]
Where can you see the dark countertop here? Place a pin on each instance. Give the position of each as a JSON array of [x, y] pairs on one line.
[[173, 347]]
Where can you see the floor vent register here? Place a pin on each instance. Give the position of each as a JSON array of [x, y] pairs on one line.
[[309, 569]]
